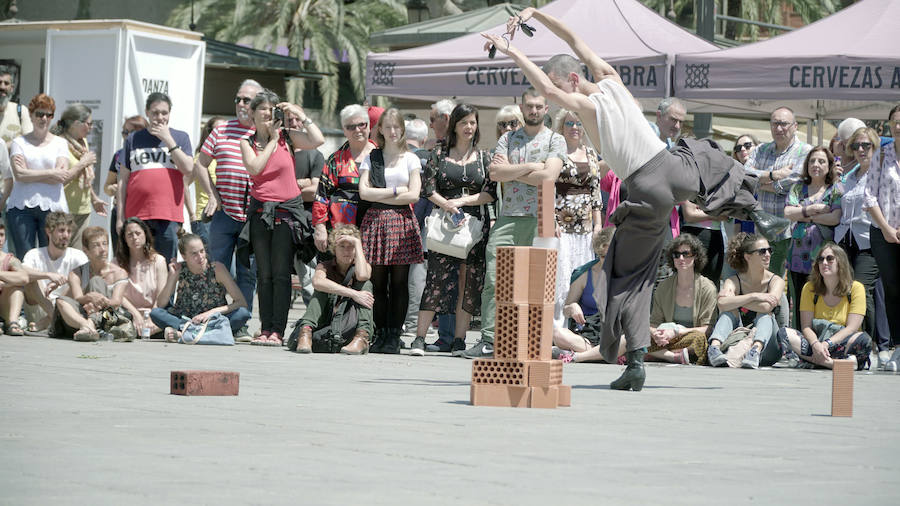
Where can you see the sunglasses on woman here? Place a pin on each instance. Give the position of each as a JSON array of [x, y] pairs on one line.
[[761, 251], [747, 145], [825, 259], [513, 123], [865, 145], [570, 124], [43, 114], [682, 254]]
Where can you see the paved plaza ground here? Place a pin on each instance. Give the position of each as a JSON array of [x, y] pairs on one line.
[[93, 423]]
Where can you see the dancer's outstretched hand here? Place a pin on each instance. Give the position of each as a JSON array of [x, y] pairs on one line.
[[499, 42], [512, 24]]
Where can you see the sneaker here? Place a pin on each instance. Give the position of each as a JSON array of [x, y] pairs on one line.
[[481, 349], [715, 356], [751, 359], [884, 356], [458, 344], [566, 356], [417, 348], [242, 336], [890, 366], [438, 346]]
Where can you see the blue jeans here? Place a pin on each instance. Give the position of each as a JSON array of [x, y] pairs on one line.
[[165, 237], [766, 331], [201, 228], [162, 318], [26, 226], [223, 237]]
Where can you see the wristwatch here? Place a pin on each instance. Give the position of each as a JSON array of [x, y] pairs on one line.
[[307, 121]]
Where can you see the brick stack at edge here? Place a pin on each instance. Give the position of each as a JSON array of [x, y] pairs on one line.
[[522, 374]]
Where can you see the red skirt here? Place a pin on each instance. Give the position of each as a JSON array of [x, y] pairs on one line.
[[391, 237]]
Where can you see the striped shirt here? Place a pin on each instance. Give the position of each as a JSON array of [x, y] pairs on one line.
[[232, 179], [766, 158]]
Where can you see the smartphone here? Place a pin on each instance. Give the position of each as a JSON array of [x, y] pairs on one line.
[[458, 218]]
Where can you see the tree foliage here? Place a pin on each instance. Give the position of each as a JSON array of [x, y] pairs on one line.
[[326, 30]]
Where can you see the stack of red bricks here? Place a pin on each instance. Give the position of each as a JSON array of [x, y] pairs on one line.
[[522, 374]]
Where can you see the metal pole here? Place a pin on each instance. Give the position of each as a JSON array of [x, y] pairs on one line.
[[706, 28]]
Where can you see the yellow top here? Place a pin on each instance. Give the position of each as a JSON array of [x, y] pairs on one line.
[[79, 198], [838, 313], [201, 198]]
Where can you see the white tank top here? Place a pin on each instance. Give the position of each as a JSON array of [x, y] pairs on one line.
[[626, 140]]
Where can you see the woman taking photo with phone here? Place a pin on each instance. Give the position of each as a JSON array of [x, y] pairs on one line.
[[276, 209]]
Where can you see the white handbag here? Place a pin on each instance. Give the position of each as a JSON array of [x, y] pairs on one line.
[[442, 236]]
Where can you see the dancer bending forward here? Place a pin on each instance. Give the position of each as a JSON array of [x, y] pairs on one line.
[[654, 177]]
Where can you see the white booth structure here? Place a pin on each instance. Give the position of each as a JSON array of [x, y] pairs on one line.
[[111, 66]]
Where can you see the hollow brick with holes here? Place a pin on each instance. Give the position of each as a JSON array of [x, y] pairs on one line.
[[544, 373], [540, 331], [511, 274], [204, 383], [511, 337]]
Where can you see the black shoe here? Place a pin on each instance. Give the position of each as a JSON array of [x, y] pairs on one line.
[[634, 375], [377, 341], [769, 225], [391, 342], [481, 349], [458, 345], [417, 348]]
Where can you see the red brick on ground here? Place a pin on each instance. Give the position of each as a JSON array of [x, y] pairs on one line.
[[204, 383]]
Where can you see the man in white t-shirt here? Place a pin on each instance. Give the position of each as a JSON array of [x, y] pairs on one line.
[[655, 179], [48, 268]]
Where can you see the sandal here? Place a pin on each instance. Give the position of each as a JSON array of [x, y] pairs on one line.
[[262, 339], [273, 339], [14, 329], [33, 331]]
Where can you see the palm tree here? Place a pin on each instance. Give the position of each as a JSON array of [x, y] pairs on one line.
[[322, 30]]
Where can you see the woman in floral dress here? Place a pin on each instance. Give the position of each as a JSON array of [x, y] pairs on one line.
[[457, 180], [579, 206]]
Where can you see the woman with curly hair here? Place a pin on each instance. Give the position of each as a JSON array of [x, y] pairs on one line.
[[832, 307], [683, 305], [748, 299], [814, 205]]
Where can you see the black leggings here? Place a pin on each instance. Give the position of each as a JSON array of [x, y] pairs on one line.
[[274, 251], [389, 284]]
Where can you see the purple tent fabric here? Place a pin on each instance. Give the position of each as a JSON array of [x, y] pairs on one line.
[[833, 68], [631, 37]]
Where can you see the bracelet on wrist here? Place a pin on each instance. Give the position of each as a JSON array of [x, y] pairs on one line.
[[805, 212], [174, 149], [395, 191]]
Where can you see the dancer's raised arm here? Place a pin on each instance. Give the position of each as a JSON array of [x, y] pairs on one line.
[[596, 65], [571, 101]]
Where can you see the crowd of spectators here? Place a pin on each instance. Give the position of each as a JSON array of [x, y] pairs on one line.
[[351, 225]]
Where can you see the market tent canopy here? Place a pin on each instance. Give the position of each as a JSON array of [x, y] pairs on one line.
[[631, 37], [847, 64], [446, 27]]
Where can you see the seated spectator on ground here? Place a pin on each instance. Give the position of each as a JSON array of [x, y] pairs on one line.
[[832, 307], [583, 344], [683, 305], [96, 296], [48, 268], [748, 299], [146, 270], [333, 284], [12, 282], [199, 287]]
